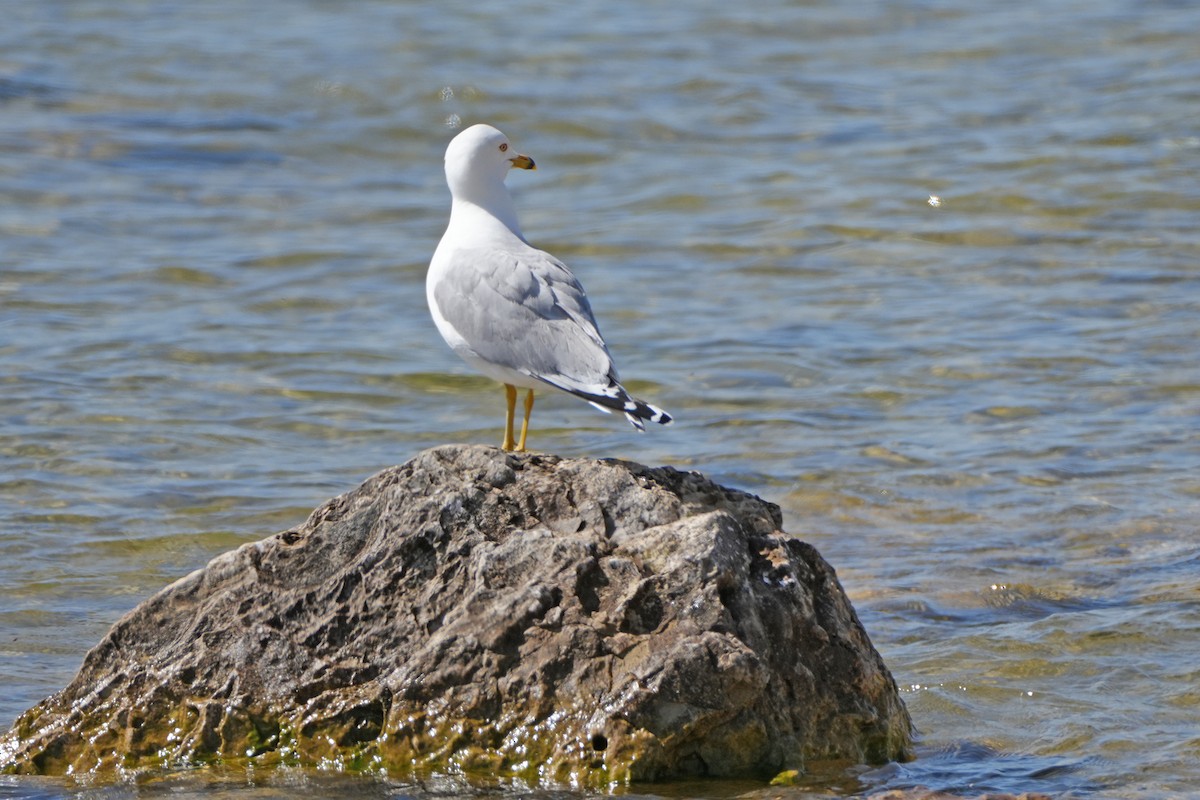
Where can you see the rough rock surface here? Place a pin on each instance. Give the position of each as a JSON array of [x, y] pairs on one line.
[[557, 620]]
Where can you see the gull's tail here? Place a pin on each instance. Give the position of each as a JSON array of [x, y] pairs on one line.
[[614, 397], [637, 410]]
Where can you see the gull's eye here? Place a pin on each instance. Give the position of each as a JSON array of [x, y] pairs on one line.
[[504, 147]]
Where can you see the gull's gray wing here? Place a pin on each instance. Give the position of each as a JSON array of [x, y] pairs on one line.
[[525, 310]]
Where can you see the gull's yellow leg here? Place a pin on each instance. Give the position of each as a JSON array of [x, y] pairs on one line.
[[510, 393], [525, 422]]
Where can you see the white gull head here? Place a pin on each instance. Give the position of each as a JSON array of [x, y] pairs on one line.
[[477, 161]]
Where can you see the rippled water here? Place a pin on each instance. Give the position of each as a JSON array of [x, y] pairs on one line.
[[927, 274]]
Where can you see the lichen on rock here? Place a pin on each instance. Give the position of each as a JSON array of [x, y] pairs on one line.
[[562, 621]]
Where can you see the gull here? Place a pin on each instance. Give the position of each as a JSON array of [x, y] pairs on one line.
[[512, 311]]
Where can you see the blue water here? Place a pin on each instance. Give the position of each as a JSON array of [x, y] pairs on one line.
[[925, 274]]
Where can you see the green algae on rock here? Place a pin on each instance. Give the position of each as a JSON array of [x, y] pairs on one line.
[[561, 621]]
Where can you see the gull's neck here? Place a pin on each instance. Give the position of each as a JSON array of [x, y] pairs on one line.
[[484, 212]]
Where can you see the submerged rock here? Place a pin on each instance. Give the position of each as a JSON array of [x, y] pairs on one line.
[[558, 620]]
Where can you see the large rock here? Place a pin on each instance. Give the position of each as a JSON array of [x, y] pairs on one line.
[[558, 620]]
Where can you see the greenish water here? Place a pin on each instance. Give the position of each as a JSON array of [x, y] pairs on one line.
[[983, 410]]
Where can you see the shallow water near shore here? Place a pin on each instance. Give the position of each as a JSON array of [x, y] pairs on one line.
[[924, 274]]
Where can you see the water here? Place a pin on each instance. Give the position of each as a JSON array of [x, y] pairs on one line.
[[983, 408]]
